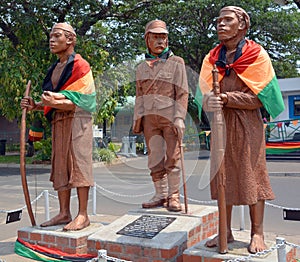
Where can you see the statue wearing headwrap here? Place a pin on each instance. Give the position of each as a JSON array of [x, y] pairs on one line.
[[247, 82], [67, 101]]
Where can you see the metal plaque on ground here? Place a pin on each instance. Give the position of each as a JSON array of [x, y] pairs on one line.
[[146, 226]]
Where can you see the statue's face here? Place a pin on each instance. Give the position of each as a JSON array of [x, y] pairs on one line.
[[157, 43], [58, 42], [228, 26]]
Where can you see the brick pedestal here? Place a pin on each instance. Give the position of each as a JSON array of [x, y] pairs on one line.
[[236, 250], [168, 245], [74, 242]]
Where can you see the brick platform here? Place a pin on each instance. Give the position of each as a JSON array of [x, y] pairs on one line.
[[74, 242], [168, 245], [236, 250]]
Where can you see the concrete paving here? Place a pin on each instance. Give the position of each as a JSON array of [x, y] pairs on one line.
[[128, 175]]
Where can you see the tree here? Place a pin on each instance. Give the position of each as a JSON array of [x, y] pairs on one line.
[[24, 37], [110, 36]]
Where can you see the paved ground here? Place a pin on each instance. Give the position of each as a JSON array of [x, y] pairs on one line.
[[123, 186]]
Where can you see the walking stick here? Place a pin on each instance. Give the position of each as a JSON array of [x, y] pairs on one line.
[[22, 159], [183, 174], [218, 127]]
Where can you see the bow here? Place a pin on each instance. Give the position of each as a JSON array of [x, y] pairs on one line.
[[22, 159]]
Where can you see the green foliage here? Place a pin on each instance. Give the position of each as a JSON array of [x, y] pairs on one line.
[[103, 154], [110, 38], [113, 147], [43, 149], [15, 159]]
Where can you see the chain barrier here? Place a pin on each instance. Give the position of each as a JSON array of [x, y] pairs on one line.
[[120, 195], [292, 245], [102, 257], [280, 207]]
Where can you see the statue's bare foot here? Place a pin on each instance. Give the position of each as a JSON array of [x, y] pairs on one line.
[[257, 244], [215, 241], [57, 220], [80, 222]]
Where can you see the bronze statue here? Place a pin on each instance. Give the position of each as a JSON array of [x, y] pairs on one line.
[[67, 101], [160, 110], [245, 74]]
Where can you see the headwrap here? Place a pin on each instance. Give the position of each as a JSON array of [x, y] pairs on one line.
[[240, 12], [64, 26]]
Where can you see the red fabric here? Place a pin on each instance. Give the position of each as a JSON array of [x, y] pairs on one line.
[[250, 52], [283, 144], [80, 69], [51, 250]]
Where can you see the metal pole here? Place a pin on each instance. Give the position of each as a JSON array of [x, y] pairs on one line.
[[102, 253], [242, 217], [47, 213], [94, 199], [281, 253]]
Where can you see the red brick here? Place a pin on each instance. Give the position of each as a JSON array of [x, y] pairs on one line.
[[169, 253], [91, 244], [198, 229], [137, 250], [35, 237], [151, 252], [188, 258], [62, 241], [114, 248], [23, 235], [191, 233], [99, 245], [179, 259], [76, 242], [142, 259], [48, 239], [81, 250]]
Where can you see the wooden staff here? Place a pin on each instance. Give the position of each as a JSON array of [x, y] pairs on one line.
[[183, 175], [218, 127], [22, 159]]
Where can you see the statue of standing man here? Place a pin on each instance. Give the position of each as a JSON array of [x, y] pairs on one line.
[[247, 82], [68, 100], [160, 110]]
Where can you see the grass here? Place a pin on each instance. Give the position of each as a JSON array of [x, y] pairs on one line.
[[14, 159]]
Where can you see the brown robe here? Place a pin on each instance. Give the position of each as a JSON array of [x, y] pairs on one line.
[[71, 149], [246, 175], [72, 145]]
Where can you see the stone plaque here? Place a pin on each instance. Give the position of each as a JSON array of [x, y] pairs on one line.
[[146, 226]]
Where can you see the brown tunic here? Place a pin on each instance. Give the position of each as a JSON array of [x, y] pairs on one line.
[[246, 176], [71, 149], [161, 97], [71, 145]]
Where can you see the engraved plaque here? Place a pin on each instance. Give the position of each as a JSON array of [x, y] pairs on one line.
[[146, 226]]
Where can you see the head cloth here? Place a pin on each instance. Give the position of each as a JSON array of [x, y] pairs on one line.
[[240, 12], [64, 26]]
